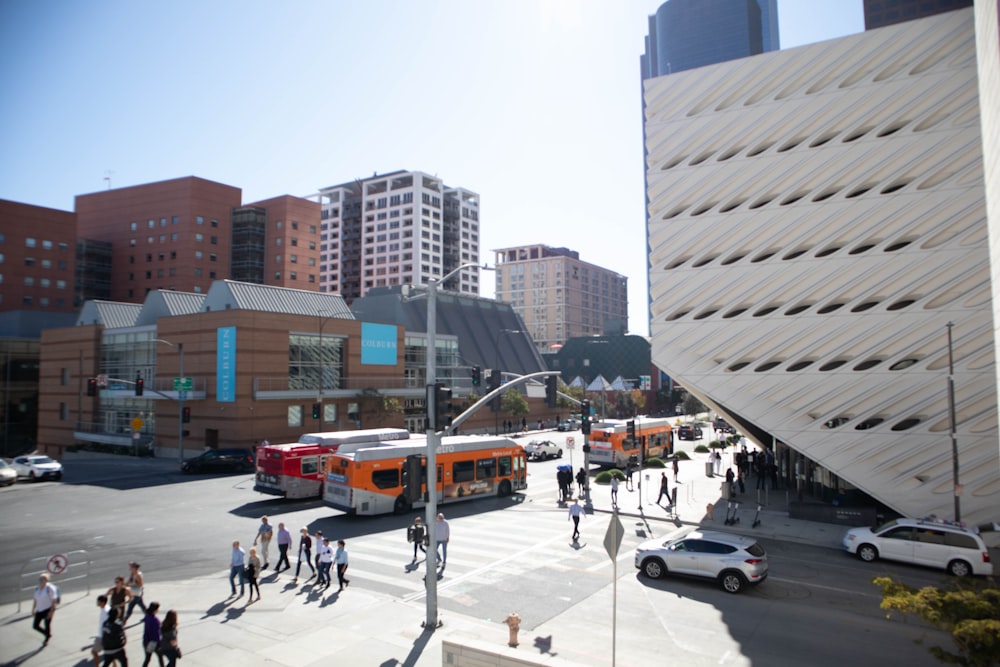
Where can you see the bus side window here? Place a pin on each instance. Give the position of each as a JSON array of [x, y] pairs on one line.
[[463, 471], [309, 465], [486, 468], [385, 479], [505, 466]]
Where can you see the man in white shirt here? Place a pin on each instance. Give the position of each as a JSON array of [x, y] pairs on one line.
[[575, 512], [44, 607], [325, 562], [102, 615], [442, 535]]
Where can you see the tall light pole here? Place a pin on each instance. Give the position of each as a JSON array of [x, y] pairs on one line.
[[496, 359], [954, 442], [320, 358], [433, 442]]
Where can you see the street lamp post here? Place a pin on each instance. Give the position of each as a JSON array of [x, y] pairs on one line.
[[321, 356], [180, 397], [954, 442], [433, 442]]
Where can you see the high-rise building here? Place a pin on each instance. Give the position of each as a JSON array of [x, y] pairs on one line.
[[819, 256], [37, 258], [685, 34], [559, 296], [182, 234], [879, 13], [400, 228]]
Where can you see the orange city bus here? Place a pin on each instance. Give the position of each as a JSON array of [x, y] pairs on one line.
[[392, 477], [296, 469], [610, 446]]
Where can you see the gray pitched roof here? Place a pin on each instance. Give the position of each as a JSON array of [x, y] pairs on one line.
[[164, 303], [112, 314], [232, 294]]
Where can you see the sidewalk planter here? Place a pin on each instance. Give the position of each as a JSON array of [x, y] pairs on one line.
[[708, 469]]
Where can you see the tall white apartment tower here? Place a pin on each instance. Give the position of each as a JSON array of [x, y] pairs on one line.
[[819, 220], [400, 228]]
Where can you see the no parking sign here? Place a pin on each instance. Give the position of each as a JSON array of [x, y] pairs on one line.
[[57, 564]]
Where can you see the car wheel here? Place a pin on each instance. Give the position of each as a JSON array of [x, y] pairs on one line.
[[959, 568], [867, 553], [401, 506], [732, 581], [559, 454], [654, 568], [504, 489], [31, 476]]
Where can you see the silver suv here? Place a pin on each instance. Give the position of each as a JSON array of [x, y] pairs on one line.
[[929, 542], [732, 560]]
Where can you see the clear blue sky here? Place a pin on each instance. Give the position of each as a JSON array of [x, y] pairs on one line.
[[534, 104]]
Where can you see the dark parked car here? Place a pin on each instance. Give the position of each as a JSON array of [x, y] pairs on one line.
[[220, 460], [689, 432]]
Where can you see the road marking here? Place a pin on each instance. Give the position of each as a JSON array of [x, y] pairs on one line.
[[835, 589]]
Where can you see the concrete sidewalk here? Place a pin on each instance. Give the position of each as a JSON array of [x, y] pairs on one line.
[[361, 627]]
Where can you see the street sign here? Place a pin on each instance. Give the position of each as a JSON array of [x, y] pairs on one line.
[[613, 538], [183, 384], [102, 380], [570, 442], [137, 424], [57, 564]]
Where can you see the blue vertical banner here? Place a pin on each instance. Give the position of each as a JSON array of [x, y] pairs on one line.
[[225, 359], [378, 344]]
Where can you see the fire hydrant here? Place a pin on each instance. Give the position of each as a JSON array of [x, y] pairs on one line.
[[514, 624]]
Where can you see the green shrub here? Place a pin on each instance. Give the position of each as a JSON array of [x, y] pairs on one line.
[[702, 449], [654, 462], [604, 477], [682, 455]]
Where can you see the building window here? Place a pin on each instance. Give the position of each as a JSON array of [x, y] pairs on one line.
[[30, 242], [199, 238], [63, 411], [201, 219], [64, 376], [294, 416]]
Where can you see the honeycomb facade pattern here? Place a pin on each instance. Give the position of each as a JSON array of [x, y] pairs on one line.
[[817, 217]]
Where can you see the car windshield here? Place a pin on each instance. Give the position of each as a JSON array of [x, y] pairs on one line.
[[3, 464], [39, 459], [886, 526]]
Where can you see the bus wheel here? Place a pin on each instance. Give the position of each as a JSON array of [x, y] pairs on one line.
[[504, 489], [401, 506]]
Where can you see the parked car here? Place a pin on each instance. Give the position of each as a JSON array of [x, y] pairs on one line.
[[732, 560], [568, 425], [541, 450], [7, 474], [36, 467], [928, 542], [220, 460], [721, 424], [689, 432]]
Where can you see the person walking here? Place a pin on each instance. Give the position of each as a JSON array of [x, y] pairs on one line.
[[325, 557], [340, 558], [43, 607], [118, 597], [443, 536], [629, 471], [318, 542], [284, 544], [575, 512], [102, 615], [264, 535], [416, 534], [581, 480], [135, 587], [168, 639], [305, 554], [614, 491], [237, 568], [151, 634], [113, 640], [663, 489], [253, 571], [676, 467]]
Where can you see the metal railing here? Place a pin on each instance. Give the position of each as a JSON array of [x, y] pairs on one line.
[[77, 567]]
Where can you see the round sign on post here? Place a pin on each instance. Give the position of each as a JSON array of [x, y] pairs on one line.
[[570, 442], [57, 564]]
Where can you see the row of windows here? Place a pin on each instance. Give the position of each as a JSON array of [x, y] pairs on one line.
[[29, 281], [44, 263], [31, 242], [44, 301], [797, 309], [795, 253]]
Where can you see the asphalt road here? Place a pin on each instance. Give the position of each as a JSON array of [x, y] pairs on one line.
[[514, 553]]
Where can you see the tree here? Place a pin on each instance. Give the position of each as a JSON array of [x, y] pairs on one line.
[[513, 403], [969, 612], [379, 406], [692, 405]]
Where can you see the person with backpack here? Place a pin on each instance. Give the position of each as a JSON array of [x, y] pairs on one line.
[[46, 597], [168, 638], [113, 640], [416, 534]]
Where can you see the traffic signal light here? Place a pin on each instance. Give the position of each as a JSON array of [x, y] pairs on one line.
[[551, 390], [585, 417], [412, 477], [91, 386], [494, 384], [317, 409], [138, 386], [630, 429], [477, 376], [186, 415], [442, 406]]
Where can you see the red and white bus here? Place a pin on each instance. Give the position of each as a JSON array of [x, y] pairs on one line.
[[392, 477], [610, 446], [295, 469]]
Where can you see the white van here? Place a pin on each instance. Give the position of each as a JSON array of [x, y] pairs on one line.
[[929, 542]]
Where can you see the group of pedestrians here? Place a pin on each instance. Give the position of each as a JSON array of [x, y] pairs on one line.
[[247, 568], [419, 536]]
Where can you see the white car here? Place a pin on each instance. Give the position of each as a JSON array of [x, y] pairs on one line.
[[541, 450], [7, 474], [36, 467], [933, 543], [731, 560]]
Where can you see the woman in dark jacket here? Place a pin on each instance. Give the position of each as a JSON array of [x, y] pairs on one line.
[[168, 638], [151, 634]]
